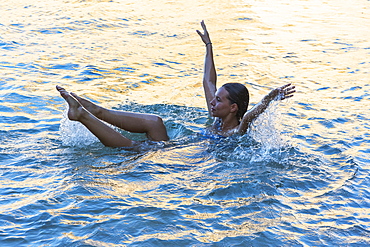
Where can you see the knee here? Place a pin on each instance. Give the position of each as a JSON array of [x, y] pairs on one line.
[[157, 121], [152, 122], [157, 131]]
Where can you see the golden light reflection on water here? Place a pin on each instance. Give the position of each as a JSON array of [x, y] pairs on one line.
[[21, 200], [251, 49]]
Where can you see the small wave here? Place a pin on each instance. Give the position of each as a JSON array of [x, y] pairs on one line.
[[9, 45]]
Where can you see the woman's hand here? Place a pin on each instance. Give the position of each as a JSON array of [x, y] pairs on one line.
[[204, 36], [279, 93], [283, 92]]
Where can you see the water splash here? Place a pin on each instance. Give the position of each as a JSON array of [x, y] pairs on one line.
[[74, 133], [267, 128]]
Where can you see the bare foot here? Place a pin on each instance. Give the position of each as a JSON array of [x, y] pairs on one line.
[[75, 110], [88, 105]]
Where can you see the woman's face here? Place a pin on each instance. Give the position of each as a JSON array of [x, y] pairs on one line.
[[221, 105]]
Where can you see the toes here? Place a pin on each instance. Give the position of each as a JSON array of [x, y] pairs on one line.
[[59, 88]]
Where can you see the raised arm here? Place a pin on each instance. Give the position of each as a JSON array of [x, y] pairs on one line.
[[210, 76], [279, 93]]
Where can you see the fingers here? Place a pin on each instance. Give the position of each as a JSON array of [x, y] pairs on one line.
[[287, 85], [286, 91], [203, 26], [288, 96]]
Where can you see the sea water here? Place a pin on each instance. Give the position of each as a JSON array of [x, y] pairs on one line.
[[299, 177]]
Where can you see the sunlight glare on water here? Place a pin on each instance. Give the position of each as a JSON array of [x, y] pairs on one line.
[[299, 177]]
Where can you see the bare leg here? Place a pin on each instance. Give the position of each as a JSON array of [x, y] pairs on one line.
[[108, 136], [150, 124]]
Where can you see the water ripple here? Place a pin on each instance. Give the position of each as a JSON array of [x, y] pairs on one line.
[[299, 177]]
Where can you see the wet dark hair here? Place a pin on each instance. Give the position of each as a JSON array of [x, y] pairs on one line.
[[239, 95]]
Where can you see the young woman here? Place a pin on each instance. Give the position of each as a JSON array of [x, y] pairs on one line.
[[228, 105]]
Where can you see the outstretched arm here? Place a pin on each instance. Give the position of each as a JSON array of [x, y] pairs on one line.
[[210, 76], [279, 93]]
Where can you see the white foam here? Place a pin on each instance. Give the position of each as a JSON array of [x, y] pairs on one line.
[[267, 128], [74, 133]]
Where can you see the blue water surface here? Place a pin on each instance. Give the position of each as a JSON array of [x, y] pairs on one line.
[[299, 177]]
